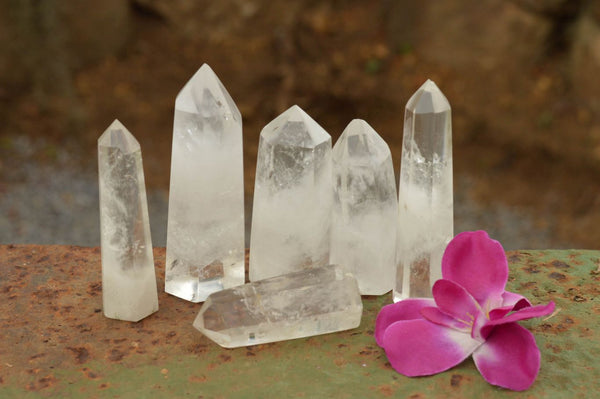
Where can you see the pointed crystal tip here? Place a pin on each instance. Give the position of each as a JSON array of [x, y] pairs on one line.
[[296, 128], [358, 127], [428, 99], [204, 94], [360, 140], [117, 136], [296, 114]]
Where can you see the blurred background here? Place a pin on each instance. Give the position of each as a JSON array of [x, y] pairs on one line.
[[521, 76]]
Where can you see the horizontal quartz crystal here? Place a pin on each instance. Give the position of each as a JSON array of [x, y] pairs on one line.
[[300, 304]]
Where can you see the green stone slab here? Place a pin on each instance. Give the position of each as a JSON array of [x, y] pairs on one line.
[[54, 340]]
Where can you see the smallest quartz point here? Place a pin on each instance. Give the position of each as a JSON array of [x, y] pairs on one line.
[[128, 277]]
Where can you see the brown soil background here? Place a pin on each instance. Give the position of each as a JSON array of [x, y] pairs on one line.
[[521, 76]]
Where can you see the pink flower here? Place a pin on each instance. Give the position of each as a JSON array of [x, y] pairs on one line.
[[471, 314]]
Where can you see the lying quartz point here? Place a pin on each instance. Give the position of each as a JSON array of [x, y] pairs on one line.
[[425, 192], [365, 208], [128, 277], [205, 233], [300, 304]]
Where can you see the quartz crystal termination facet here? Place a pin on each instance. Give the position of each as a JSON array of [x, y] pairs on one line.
[[365, 208], [205, 234], [292, 197], [300, 304], [425, 192], [128, 277]]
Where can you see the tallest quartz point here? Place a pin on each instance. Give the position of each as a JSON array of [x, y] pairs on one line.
[[425, 192], [205, 234]]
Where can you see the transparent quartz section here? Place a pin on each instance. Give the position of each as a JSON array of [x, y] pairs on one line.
[[128, 277], [300, 304], [205, 234], [292, 197], [425, 197], [365, 208]]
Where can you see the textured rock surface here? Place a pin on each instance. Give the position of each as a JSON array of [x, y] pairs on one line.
[[128, 278], [55, 341]]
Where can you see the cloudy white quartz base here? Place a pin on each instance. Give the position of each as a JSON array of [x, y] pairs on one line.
[[292, 197], [425, 200], [365, 208], [205, 234]]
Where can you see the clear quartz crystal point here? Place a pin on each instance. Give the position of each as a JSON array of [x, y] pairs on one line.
[[425, 194], [205, 234], [365, 208], [292, 197], [300, 304], [128, 277]]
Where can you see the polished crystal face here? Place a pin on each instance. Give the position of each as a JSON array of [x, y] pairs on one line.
[[128, 277], [301, 304], [425, 192], [365, 208], [205, 234], [292, 197]]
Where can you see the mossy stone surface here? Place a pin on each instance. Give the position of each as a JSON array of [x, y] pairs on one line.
[[56, 342]]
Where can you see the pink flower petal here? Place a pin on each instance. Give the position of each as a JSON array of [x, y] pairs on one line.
[[418, 347], [517, 301], [454, 300], [522, 314], [435, 315], [480, 321], [477, 263], [407, 309], [510, 301], [509, 358]]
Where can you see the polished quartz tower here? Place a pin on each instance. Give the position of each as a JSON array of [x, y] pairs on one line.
[[292, 197], [365, 208], [128, 278], [425, 192], [205, 234], [300, 304]]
